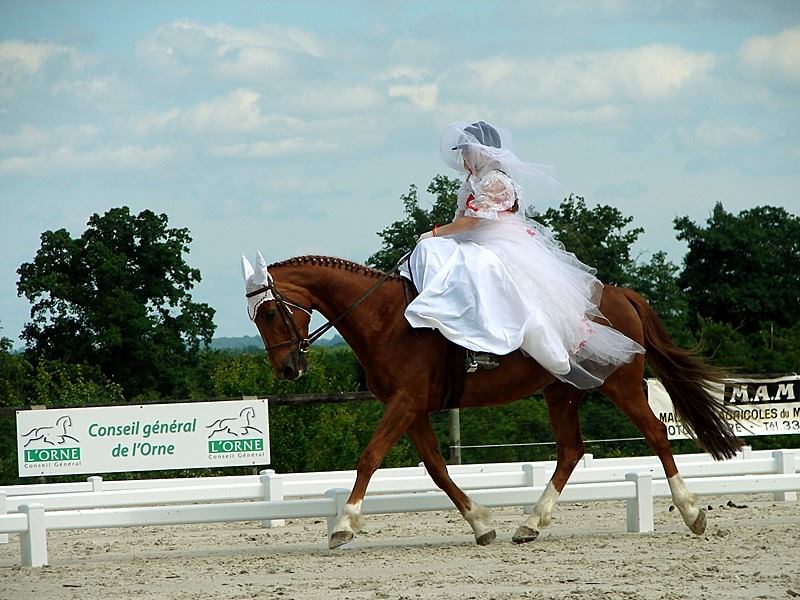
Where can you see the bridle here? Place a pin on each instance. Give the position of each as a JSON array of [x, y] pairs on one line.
[[285, 306]]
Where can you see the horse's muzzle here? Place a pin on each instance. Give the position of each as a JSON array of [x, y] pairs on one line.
[[296, 364]]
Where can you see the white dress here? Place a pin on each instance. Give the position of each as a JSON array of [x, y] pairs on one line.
[[506, 284]]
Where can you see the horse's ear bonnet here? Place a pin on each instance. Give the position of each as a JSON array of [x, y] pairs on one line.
[[255, 280]]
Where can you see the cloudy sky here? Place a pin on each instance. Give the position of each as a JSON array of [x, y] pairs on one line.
[[294, 127]]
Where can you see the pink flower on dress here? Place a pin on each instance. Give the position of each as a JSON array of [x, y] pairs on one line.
[[587, 327]]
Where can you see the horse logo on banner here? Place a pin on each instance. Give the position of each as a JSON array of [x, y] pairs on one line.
[[53, 435]]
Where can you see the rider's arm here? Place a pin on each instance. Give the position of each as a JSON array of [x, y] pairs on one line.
[[494, 193]]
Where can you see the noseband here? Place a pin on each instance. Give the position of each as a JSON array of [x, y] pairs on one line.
[[285, 306]]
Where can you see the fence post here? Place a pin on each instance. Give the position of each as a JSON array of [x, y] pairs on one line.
[[97, 483], [588, 459], [340, 497], [640, 509], [3, 511], [747, 452], [535, 476], [271, 490], [455, 437], [785, 463], [33, 542]]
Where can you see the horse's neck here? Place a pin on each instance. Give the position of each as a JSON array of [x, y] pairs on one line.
[[335, 289]]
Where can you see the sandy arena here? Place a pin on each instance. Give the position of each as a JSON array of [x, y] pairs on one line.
[[748, 552]]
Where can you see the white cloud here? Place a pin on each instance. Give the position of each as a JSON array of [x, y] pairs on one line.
[[229, 51], [541, 116], [423, 97], [652, 72], [408, 72], [25, 139], [21, 62], [335, 99], [448, 112], [29, 138], [715, 135], [774, 54], [92, 88], [27, 58], [69, 159], [237, 112], [264, 149]]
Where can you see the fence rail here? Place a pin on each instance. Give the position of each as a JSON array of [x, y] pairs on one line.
[[32, 510]]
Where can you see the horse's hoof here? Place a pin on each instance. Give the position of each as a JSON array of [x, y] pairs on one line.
[[699, 525], [339, 538], [525, 534], [486, 539]]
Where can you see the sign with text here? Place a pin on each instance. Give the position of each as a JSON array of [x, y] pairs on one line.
[[143, 438], [756, 406]]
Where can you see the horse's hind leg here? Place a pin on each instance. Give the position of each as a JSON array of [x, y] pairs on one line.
[[624, 388], [424, 439], [563, 403]]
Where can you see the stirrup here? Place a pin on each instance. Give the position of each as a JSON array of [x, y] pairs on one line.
[[480, 360]]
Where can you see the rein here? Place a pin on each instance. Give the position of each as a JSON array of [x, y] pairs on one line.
[[303, 343]]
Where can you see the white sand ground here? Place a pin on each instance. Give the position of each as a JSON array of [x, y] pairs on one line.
[[751, 552]]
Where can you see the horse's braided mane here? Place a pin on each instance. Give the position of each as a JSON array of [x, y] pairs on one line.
[[330, 261]]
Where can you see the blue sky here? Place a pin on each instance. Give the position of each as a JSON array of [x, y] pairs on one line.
[[294, 127]]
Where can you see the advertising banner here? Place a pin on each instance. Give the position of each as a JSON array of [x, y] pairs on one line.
[[142, 438], [756, 406]]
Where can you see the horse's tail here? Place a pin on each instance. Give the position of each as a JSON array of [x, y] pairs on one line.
[[687, 380]]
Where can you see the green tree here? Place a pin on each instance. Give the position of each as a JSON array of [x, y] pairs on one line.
[[400, 237], [600, 237], [54, 383], [118, 297], [657, 282], [14, 374], [743, 269]]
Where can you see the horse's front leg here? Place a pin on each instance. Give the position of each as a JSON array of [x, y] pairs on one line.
[[563, 402], [479, 518], [397, 416]]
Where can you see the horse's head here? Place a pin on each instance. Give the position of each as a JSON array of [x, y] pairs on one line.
[[282, 318]]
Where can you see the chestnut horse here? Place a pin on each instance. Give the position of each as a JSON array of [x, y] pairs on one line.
[[405, 369]]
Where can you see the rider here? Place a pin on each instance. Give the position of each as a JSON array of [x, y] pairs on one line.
[[495, 281]]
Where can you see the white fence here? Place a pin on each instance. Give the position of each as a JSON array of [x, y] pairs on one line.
[[32, 510]]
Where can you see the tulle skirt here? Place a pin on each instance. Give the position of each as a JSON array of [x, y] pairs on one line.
[[507, 285]]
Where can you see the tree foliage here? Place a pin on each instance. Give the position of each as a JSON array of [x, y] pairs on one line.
[[399, 237], [743, 269], [14, 373], [657, 281], [600, 237], [117, 297]]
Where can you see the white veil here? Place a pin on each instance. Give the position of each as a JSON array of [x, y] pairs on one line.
[[489, 147]]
